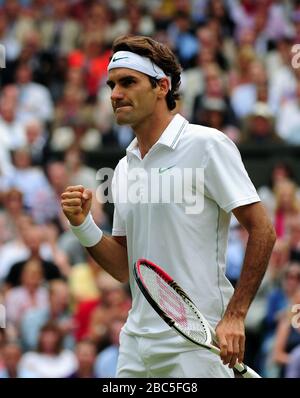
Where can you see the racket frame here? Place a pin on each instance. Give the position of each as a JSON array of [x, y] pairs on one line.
[[241, 368]]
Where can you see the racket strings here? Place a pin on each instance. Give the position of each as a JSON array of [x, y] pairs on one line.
[[175, 305]]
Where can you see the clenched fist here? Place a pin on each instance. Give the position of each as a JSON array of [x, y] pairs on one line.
[[76, 203]]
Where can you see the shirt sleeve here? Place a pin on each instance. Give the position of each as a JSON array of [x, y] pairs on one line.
[[225, 177], [119, 227]]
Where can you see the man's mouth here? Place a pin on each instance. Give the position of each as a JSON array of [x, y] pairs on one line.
[[118, 107]]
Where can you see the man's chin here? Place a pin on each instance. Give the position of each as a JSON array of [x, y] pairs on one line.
[[121, 121]]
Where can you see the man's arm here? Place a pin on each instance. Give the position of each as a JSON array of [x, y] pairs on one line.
[[109, 252], [231, 330]]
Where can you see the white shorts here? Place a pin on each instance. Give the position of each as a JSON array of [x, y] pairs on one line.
[[167, 355]]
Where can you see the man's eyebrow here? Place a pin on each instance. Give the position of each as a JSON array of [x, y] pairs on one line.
[[121, 80]]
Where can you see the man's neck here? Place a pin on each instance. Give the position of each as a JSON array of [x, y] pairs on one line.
[[149, 132]]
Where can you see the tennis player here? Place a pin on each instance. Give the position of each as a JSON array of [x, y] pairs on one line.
[[144, 77]]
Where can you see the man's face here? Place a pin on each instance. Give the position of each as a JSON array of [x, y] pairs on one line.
[[132, 96]]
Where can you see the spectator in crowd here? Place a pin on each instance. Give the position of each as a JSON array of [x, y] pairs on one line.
[[12, 131], [281, 171], [57, 310], [93, 58], [293, 365], [288, 332], [12, 354], [50, 360], [260, 127], [30, 294], [60, 33], [106, 361], [287, 206], [36, 138], [13, 209], [86, 352], [294, 239], [33, 250], [279, 300], [34, 101], [25, 177], [288, 121]]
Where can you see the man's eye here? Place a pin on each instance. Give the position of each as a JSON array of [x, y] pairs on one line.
[[127, 83]]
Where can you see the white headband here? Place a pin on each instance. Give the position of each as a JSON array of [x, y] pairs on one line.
[[130, 60]]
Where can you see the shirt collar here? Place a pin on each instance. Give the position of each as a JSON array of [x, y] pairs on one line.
[[170, 136]]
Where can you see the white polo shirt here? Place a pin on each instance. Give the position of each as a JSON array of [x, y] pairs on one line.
[[189, 245]]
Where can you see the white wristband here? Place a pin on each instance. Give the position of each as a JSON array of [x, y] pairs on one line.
[[88, 233]]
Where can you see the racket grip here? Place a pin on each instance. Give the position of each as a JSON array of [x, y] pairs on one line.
[[246, 372]]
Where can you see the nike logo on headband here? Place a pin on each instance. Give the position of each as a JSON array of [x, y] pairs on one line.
[[117, 59]]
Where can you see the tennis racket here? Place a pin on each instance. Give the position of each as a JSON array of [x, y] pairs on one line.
[[176, 308]]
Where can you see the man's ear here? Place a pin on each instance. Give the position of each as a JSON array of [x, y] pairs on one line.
[[164, 86]]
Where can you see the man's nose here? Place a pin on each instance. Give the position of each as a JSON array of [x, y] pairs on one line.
[[116, 94]]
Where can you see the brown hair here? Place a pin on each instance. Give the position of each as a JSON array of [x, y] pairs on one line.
[[159, 54], [51, 326]]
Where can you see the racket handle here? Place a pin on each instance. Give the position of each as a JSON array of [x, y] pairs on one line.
[[246, 372], [241, 368]]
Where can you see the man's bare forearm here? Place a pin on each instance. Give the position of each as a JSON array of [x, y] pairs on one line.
[[112, 257], [258, 252]]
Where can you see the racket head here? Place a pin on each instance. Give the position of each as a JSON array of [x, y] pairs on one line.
[[172, 303]]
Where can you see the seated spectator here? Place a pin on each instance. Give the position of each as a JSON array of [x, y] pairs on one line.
[[25, 177], [12, 130], [72, 107], [34, 100], [287, 206], [79, 172], [94, 58], [280, 296], [294, 238], [183, 41], [13, 209], [30, 294], [58, 310], [279, 300], [260, 127], [245, 96], [83, 281], [106, 362], [50, 360], [86, 352], [288, 120], [60, 32], [12, 355], [114, 302], [293, 365], [278, 263], [46, 203], [29, 240], [280, 171], [287, 335], [36, 141], [32, 252], [237, 242]]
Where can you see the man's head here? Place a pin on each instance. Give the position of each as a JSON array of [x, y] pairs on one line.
[[141, 72]]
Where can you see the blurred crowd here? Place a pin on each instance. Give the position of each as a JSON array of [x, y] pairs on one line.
[[241, 75]]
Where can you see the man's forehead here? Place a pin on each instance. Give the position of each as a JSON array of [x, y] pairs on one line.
[[121, 73]]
